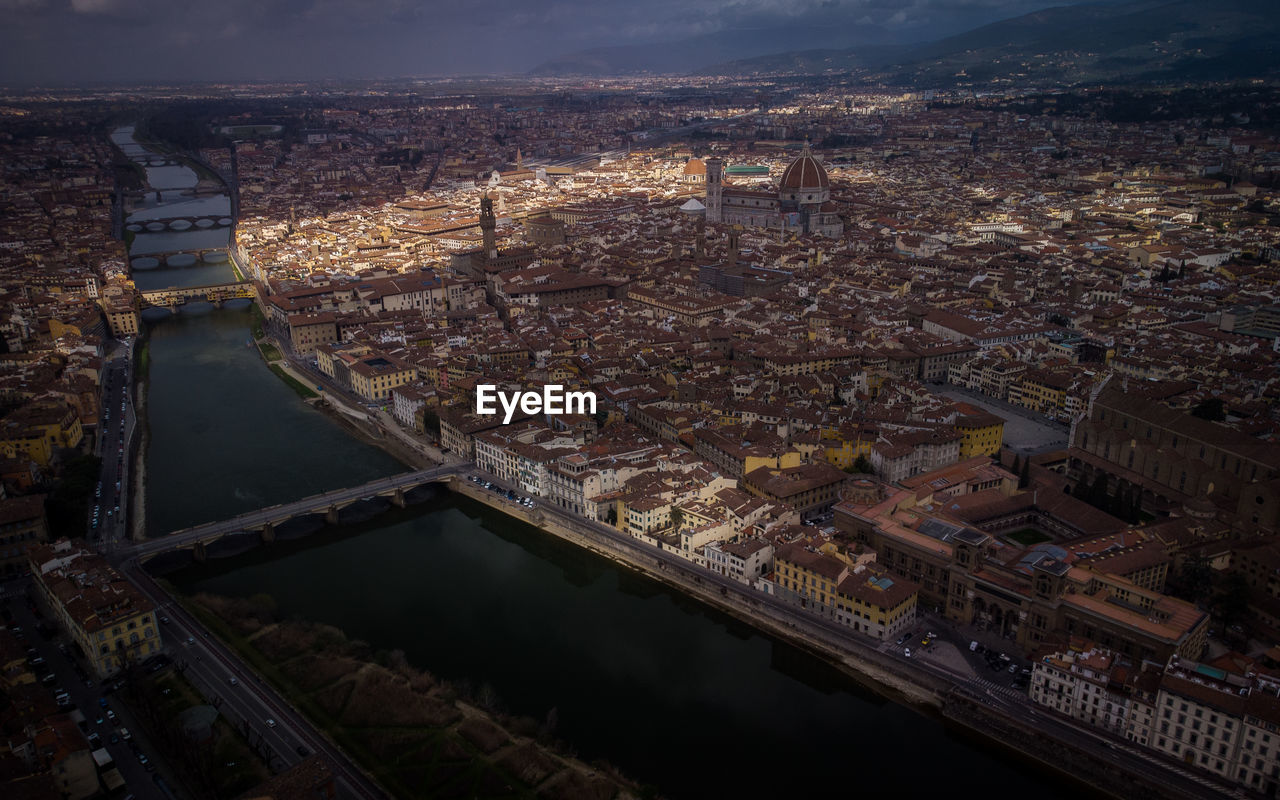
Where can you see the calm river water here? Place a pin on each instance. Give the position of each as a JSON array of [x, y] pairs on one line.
[[676, 694]]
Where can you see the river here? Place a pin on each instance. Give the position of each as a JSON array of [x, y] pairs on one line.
[[225, 435], [677, 695], [173, 183]]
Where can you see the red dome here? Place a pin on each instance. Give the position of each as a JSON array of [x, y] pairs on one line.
[[805, 173]]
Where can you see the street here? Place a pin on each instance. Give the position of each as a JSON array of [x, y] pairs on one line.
[[1025, 431], [209, 665], [995, 693], [85, 695], [946, 658], [109, 512]]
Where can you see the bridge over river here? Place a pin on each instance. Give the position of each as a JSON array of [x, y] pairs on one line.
[[218, 293], [179, 223], [181, 258], [265, 520]]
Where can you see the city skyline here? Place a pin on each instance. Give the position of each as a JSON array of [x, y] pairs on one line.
[[716, 417]]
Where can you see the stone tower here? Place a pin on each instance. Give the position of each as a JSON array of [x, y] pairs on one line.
[[488, 227], [715, 185]]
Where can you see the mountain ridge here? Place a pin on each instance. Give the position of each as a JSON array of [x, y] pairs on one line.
[[1142, 40]]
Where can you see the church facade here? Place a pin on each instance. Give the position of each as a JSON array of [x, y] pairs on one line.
[[802, 203]]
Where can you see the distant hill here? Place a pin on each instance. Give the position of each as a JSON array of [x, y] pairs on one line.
[[1144, 40], [699, 52]]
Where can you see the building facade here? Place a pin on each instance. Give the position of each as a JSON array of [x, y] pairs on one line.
[[113, 623], [801, 204]]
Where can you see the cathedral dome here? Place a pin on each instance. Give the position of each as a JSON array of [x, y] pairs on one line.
[[695, 166], [805, 173]]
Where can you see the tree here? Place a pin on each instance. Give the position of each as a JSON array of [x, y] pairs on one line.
[[1016, 468], [612, 516], [1164, 273], [1232, 600], [1195, 579], [677, 517], [862, 465], [1210, 408], [1024, 476], [67, 506], [1118, 505], [1098, 493]]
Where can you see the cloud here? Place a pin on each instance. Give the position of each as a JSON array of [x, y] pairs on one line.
[[112, 7], [63, 40]]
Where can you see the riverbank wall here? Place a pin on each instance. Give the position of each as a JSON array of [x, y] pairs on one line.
[[1022, 738], [877, 675], [927, 693]]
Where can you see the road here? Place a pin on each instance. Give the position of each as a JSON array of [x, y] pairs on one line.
[[886, 654], [85, 694], [1025, 431], [109, 514], [209, 666]]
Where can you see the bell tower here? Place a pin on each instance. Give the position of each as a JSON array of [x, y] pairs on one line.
[[715, 185], [488, 227]]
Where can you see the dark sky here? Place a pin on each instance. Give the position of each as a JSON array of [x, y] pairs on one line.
[[67, 42]]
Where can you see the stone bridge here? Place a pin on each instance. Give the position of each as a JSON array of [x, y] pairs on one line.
[[175, 296], [265, 520], [179, 223], [180, 258]]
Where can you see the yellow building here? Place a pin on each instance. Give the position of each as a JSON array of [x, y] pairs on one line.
[[811, 576], [981, 434], [122, 318], [38, 430], [374, 376], [108, 617], [863, 596], [1044, 392], [22, 526], [842, 447], [874, 602], [644, 516]]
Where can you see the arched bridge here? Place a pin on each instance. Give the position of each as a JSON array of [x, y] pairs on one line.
[[174, 296], [181, 258], [265, 519], [180, 223]]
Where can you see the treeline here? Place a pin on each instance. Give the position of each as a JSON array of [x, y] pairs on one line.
[[193, 124], [1125, 503]]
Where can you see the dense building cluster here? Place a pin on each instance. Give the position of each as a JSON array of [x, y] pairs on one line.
[[808, 327], [1222, 716]]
